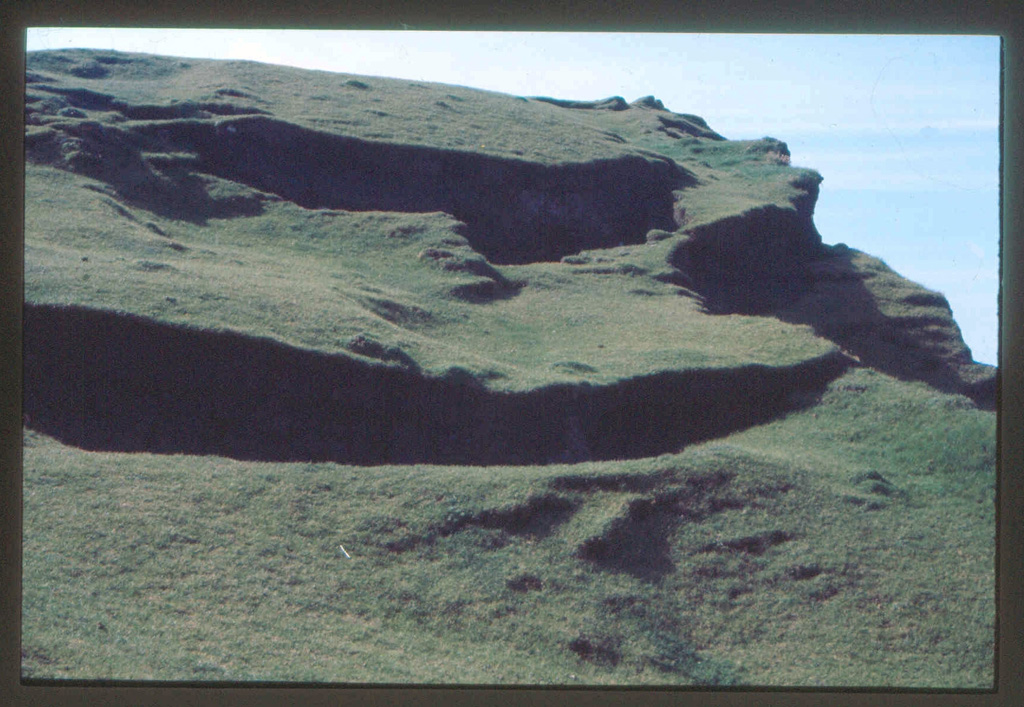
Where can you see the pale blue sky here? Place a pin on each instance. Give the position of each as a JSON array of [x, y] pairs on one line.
[[903, 128]]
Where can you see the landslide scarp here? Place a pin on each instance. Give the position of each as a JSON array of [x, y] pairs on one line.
[[890, 324], [394, 272], [115, 382], [520, 205], [751, 263]]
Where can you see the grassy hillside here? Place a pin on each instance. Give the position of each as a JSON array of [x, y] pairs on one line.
[[317, 278], [351, 379], [848, 546]]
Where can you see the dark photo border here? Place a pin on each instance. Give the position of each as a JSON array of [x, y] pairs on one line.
[[739, 16]]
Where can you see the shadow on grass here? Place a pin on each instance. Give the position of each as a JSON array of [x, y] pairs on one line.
[[925, 347], [106, 381], [770, 262]]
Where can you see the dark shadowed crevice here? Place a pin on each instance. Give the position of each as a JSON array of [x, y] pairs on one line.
[[770, 261], [638, 543], [515, 211], [751, 263], [106, 381], [925, 347]]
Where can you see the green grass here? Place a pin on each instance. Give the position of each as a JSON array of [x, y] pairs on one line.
[[207, 568], [846, 544], [375, 108], [733, 175], [318, 278]]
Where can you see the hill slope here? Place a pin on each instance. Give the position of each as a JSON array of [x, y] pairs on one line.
[[652, 400]]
